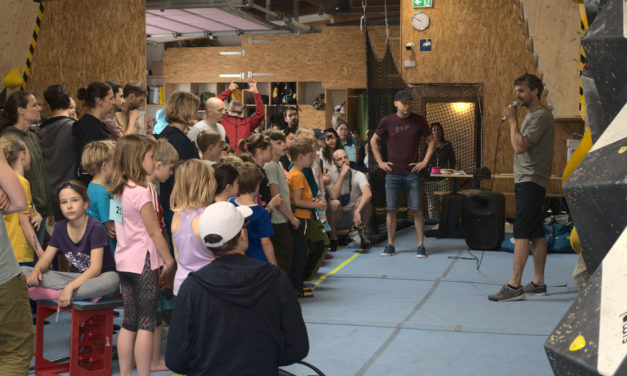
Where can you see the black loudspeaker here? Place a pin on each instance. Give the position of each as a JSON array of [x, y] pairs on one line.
[[591, 339], [484, 220]]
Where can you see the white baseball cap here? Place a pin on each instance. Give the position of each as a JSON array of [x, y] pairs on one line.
[[223, 219]]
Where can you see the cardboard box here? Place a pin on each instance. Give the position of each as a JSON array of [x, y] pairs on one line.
[[157, 68]]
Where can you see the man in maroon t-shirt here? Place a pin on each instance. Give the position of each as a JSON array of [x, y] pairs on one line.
[[403, 131]]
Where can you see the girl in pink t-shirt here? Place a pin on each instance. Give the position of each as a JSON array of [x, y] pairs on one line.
[[194, 190], [141, 250]]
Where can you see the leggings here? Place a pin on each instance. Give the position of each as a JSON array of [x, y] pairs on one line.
[[140, 294], [102, 285]]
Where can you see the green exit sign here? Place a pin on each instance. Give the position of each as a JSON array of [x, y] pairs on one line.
[[423, 3]]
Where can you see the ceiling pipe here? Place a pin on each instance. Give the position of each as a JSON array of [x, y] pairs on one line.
[[290, 22]]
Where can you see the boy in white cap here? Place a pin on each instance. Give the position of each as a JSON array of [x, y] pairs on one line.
[[237, 315]]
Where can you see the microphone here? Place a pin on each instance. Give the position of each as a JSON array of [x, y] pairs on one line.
[[515, 105]]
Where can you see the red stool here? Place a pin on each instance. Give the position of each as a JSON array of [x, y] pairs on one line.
[[91, 341]]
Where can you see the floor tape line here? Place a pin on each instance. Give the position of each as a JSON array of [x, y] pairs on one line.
[[337, 269]]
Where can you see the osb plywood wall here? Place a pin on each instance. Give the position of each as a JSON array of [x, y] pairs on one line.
[[554, 27], [87, 40], [17, 21], [475, 42], [334, 57]]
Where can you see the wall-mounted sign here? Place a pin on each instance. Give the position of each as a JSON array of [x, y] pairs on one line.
[[426, 45], [423, 3]]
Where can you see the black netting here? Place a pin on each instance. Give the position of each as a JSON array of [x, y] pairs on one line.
[[458, 122], [456, 106]]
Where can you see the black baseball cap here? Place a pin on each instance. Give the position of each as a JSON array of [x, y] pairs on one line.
[[402, 96], [320, 134]]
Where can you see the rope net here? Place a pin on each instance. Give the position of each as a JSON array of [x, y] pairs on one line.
[[457, 107]]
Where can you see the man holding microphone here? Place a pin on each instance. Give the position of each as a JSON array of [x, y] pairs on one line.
[[533, 147]]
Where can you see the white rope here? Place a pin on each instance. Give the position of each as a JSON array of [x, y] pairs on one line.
[[387, 28]]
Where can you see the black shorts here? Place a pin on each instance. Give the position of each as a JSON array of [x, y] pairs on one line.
[[529, 215]]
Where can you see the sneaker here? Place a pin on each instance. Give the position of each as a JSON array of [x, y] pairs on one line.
[[328, 256], [332, 245], [421, 252], [533, 289], [507, 294], [364, 241], [304, 294], [389, 250], [359, 238]]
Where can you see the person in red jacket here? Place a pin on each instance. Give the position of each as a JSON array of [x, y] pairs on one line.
[[235, 125]]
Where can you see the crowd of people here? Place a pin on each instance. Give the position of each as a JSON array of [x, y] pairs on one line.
[[234, 219]]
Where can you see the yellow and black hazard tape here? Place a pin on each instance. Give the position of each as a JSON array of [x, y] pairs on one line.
[[582, 59], [33, 42]]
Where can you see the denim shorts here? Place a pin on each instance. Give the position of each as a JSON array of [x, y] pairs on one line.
[[529, 213], [393, 185]]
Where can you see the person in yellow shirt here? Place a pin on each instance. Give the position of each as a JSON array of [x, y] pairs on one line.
[[21, 226]]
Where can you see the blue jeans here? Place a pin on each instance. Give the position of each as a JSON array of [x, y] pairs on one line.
[[393, 185]]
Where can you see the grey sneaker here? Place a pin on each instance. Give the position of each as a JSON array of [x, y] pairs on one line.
[[421, 252], [532, 289], [359, 238], [389, 250], [508, 294]]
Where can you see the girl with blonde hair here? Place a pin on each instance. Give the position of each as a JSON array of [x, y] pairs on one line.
[[141, 250], [194, 190]]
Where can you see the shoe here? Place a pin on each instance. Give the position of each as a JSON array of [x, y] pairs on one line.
[[421, 252], [389, 250], [304, 294], [332, 245], [358, 237], [364, 242], [533, 289], [507, 294], [328, 256]]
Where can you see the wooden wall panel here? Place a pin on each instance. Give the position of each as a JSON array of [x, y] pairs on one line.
[[554, 27], [87, 40], [17, 21], [334, 57], [309, 117], [203, 64]]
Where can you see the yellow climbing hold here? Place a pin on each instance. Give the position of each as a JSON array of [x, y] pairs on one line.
[[13, 79], [622, 150], [578, 343]]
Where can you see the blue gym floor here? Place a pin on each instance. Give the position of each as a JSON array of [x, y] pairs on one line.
[[401, 315]]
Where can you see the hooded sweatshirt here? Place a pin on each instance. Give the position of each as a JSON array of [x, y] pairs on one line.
[[236, 316]]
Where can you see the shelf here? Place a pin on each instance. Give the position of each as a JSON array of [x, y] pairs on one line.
[[154, 76]]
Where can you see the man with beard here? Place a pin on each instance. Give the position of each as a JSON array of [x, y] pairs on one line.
[[128, 118], [533, 159], [290, 115]]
